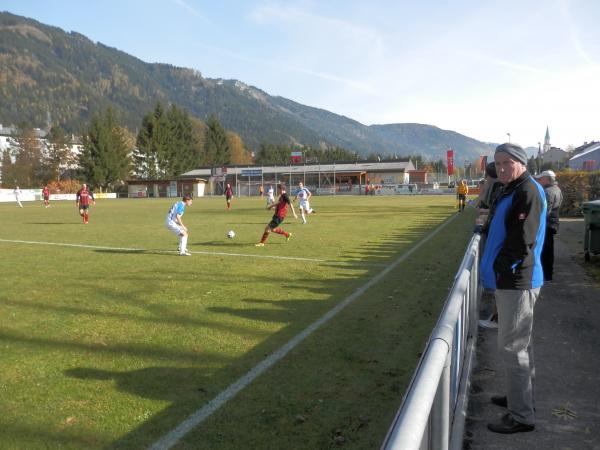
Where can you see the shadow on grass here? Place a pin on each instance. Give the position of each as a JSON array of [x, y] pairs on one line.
[[224, 244], [137, 251], [140, 350], [366, 260], [52, 223], [188, 388]]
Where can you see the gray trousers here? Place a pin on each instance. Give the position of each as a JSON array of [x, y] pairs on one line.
[[515, 344]]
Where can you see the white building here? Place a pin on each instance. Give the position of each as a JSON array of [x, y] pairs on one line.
[[7, 141]]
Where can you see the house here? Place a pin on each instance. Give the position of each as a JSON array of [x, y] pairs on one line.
[[166, 188], [554, 156], [8, 140], [587, 157]]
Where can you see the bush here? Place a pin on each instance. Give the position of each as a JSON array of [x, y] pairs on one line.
[[64, 187], [577, 187]]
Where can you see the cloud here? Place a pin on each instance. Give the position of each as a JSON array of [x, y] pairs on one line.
[[183, 4], [511, 65], [276, 13], [320, 41], [563, 7]]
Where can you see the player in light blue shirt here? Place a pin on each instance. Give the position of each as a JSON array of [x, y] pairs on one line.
[[175, 224]]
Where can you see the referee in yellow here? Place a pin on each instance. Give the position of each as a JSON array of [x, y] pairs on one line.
[[461, 194]]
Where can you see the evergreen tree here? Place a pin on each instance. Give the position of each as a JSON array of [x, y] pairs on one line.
[[58, 155], [168, 144], [150, 157], [181, 153], [532, 166], [105, 159], [216, 147]]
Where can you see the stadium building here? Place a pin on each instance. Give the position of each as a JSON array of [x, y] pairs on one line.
[[322, 179]]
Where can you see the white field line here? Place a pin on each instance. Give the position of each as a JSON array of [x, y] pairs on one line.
[[173, 436], [199, 252]]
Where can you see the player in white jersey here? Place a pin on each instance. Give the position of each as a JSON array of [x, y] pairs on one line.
[[304, 195], [17, 193], [270, 196], [175, 224]]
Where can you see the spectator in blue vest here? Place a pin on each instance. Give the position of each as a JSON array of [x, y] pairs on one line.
[[511, 266]]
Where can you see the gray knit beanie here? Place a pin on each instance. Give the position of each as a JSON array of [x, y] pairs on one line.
[[515, 151]]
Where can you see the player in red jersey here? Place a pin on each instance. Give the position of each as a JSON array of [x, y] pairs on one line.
[[83, 202], [228, 195], [46, 196], [280, 213]]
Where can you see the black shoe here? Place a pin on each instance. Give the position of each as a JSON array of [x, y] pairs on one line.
[[508, 425], [500, 400]]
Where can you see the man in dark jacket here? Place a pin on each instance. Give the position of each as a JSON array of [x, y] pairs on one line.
[[554, 199], [511, 266]]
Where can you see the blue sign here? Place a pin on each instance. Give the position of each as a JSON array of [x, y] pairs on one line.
[[251, 172]]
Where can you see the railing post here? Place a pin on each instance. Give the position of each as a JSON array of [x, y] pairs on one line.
[[440, 412]]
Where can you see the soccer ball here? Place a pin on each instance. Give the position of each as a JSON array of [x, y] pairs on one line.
[[231, 234]]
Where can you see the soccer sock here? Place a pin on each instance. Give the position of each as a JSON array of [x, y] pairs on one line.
[[86, 216], [280, 231], [183, 243], [303, 218], [264, 237]]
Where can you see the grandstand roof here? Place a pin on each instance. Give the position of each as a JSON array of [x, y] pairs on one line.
[[384, 166]]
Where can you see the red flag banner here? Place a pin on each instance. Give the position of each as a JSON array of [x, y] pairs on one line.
[[296, 157], [482, 163], [450, 161]]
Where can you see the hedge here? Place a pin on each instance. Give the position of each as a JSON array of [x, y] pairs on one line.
[[577, 187]]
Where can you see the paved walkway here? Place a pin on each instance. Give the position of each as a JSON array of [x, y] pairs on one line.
[[567, 358]]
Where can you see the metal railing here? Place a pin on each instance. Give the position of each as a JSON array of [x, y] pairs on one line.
[[432, 413]]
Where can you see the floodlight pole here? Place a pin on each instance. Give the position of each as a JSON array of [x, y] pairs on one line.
[[334, 178], [319, 175]]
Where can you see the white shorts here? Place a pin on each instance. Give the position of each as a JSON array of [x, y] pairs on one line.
[[270, 200], [304, 205], [174, 227]]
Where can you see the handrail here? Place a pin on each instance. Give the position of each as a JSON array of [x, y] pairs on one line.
[[432, 412]]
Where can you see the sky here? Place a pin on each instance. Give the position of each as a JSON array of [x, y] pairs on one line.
[[483, 68]]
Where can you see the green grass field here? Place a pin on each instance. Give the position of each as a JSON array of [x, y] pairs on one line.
[[112, 348]]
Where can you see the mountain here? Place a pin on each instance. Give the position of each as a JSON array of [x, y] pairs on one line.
[[49, 75]]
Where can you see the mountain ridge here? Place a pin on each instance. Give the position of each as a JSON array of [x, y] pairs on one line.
[[48, 71]]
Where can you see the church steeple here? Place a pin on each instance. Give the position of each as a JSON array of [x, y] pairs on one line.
[[547, 145]]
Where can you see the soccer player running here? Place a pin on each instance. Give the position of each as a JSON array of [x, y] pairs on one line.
[[270, 196], [17, 193], [228, 195], [46, 196], [83, 202], [280, 213], [304, 195], [175, 224]]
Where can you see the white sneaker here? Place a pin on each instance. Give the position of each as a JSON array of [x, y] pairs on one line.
[[185, 253]]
